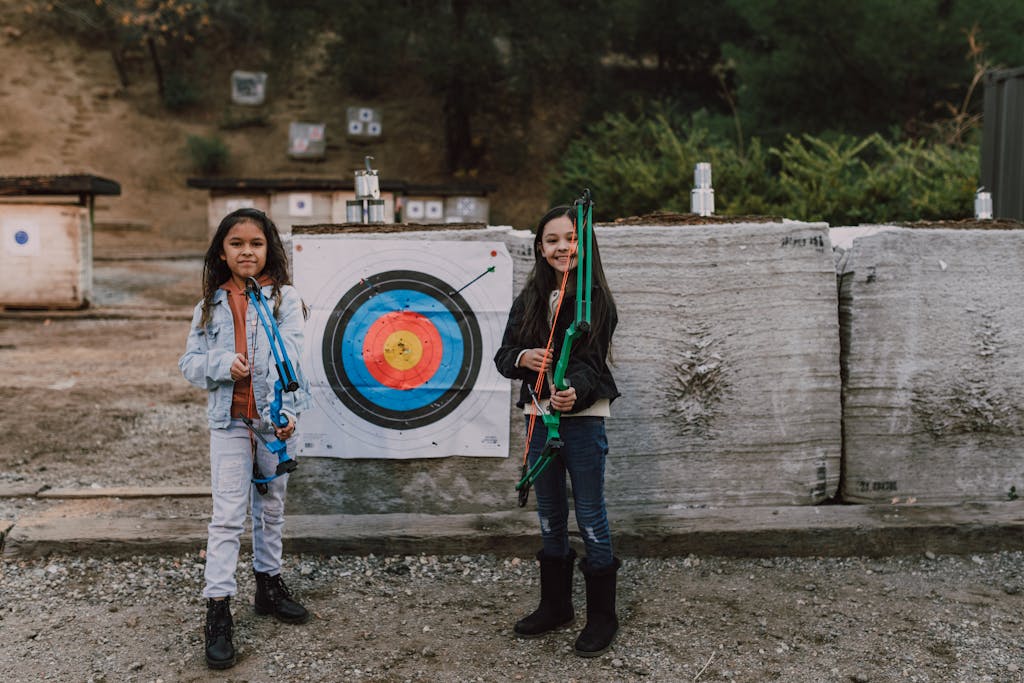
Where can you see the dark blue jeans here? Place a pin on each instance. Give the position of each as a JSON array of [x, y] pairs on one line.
[[583, 457]]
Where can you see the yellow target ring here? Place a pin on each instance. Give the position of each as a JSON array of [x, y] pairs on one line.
[[403, 350]]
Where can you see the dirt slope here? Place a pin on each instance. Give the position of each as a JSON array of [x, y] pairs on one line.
[[64, 110]]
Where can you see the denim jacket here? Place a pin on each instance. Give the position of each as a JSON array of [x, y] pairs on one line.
[[210, 351]]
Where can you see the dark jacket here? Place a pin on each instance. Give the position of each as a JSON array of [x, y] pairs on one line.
[[588, 369]]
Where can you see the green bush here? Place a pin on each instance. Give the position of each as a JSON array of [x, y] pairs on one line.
[[209, 155], [872, 180], [644, 163]]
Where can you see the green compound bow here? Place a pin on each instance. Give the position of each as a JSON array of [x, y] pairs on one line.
[[584, 208]]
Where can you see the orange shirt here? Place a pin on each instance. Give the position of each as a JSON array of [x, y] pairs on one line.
[[242, 402]]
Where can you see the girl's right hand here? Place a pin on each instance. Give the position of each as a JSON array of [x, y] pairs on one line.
[[534, 359], [239, 369]]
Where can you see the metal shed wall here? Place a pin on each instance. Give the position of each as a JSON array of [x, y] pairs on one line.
[[1002, 149]]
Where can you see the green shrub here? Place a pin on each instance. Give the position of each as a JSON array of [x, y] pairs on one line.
[[636, 164], [209, 155], [872, 180]]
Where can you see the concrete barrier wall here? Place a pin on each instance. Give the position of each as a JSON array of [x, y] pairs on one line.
[[933, 340], [727, 354]]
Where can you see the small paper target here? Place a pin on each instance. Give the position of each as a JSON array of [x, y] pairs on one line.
[[414, 208], [355, 127], [434, 209], [300, 204], [22, 239]]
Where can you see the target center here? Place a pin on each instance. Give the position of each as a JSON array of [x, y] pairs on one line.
[[403, 350]]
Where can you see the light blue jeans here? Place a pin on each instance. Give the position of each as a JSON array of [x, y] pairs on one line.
[[233, 493], [583, 457]]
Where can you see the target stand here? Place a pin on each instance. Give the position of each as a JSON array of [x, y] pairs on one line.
[[399, 347]]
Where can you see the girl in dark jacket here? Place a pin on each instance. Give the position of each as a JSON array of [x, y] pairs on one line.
[[583, 406]]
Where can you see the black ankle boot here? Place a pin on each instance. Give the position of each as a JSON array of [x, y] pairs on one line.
[[555, 597], [602, 624], [220, 651], [273, 597]]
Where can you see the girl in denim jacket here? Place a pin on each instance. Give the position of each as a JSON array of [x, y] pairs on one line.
[[229, 355], [584, 406]]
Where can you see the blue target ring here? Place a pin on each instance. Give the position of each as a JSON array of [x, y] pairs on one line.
[[385, 396], [21, 237], [366, 304]]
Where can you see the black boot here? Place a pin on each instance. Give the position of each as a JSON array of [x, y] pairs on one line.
[[220, 651], [273, 597], [555, 597], [602, 624]]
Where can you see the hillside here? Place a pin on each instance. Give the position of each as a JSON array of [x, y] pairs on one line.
[[63, 110]]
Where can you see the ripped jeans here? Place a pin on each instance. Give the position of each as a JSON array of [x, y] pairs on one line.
[[583, 456], [233, 493]]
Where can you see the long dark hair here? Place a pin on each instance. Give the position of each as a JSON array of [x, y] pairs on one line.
[[543, 279], [216, 271]]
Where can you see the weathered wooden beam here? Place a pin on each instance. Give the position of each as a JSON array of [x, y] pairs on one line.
[[128, 492], [13, 186], [830, 530]]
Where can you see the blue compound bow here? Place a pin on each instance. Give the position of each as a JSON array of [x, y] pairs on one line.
[[584, 208], [286, 381]]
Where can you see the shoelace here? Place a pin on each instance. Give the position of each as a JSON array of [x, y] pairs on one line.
[[277, 583], [221, 619]]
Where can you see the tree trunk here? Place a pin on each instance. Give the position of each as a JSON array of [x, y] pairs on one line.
[[157, 69]]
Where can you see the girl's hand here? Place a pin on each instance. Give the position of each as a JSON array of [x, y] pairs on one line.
[[284, 433], [563, 400], [534, 359], [239, 369]]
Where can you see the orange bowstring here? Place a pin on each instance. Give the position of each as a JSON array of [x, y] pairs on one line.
[[544, 363]]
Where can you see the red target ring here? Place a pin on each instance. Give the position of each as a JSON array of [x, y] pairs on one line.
[[402, 350]]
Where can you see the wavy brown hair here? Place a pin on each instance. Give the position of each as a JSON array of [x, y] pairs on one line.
[[216, 271], [543, 279]]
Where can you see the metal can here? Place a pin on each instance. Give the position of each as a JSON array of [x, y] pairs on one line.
[[354, 211], [702, 201], [702, 175], [375, 210], [983, 204]]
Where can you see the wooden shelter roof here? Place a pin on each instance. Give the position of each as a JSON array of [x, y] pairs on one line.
[[83, 184], [331, 184]]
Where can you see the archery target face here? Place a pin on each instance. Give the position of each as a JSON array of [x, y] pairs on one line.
[[399, 346]]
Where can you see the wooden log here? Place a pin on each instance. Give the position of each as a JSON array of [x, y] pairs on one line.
[[795, 531], [9, 490], [934, 385], [128, 492]]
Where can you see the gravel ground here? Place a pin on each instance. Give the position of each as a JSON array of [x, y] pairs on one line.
[[427, 618]]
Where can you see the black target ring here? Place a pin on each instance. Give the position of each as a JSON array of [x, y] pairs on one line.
[[402, 291]]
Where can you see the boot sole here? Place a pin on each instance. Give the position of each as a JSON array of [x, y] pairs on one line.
[[263, 612], [588, 655], [596, 653], [531, 636], [219, 663]]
